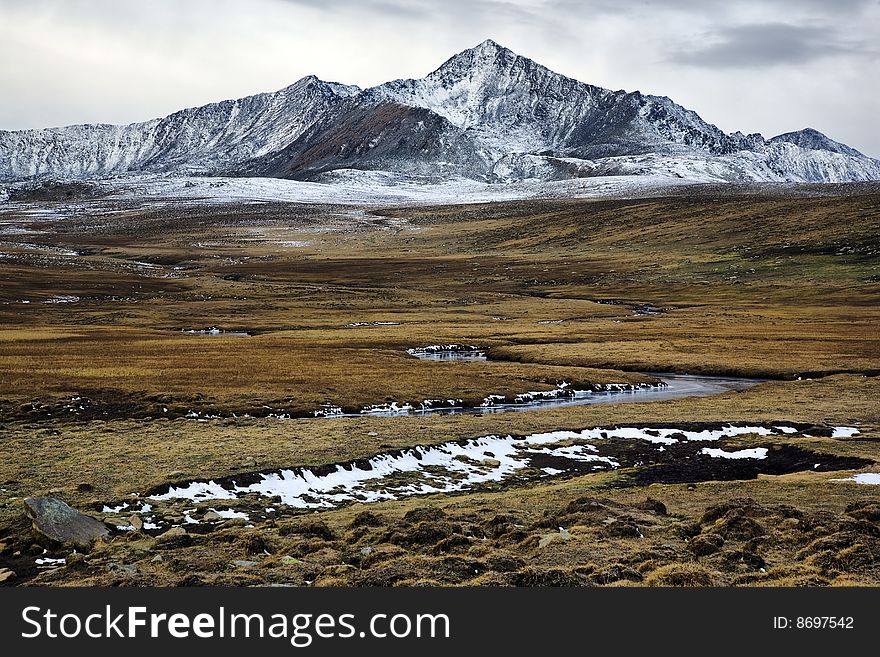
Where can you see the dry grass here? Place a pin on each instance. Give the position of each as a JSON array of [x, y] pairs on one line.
[[760, 286]]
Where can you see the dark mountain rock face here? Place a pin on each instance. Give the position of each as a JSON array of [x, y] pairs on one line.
[[383, 136], [485, 114]]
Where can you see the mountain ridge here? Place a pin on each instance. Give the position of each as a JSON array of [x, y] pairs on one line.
[[486, 114]]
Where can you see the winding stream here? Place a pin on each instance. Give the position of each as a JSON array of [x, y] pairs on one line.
[[668, 453], [672, 386]]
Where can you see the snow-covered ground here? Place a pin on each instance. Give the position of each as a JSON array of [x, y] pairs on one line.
[[372, 188], [454, 466]]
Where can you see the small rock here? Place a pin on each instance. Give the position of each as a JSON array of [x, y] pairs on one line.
[[123, 568], [561, 535], [136, 522], [366, 550], [6, 574], [372, 434], [172, 534], [158, 559], [60, 523], [243, 563], [212, 516]]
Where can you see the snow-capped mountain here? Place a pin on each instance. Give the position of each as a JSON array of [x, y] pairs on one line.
[[486, 114]]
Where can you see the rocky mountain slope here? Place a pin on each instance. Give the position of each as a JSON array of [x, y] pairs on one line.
[[486, 114]]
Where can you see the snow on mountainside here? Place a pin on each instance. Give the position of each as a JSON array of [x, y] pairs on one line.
[[815, 140], [486, 114], [204, 139]]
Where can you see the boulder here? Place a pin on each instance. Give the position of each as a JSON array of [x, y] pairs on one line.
[[58, 522], [173, 534]]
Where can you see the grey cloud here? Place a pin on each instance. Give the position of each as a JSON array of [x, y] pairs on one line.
[[712, 7], [766, 44], [388, 8], [425, 9]]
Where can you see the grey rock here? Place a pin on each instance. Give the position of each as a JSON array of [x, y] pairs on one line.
[[123, 568], [173, 534], [58, 522]]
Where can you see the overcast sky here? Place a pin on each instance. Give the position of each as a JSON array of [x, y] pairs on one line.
[[766, 66]]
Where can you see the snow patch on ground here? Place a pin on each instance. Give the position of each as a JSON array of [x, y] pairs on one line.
[[448, 467], [870, 478], [756, 453]]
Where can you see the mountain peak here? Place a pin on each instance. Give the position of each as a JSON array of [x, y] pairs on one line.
[[812, 139], [489, 45], [487, 114], [486, 55]]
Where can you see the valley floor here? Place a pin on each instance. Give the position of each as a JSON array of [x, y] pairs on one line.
[[147, 346]]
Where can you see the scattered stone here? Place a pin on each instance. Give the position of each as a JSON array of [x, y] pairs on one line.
[[59, 523], [243, 563], [136, 522], [561, 535], [6, 574], [172, 534], [158, 559], [123, 569], [212, 516], [372, 434]]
